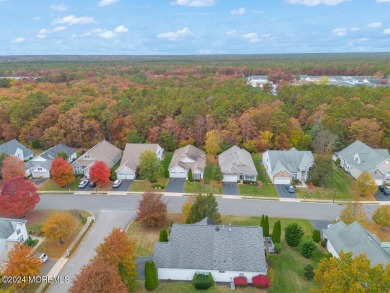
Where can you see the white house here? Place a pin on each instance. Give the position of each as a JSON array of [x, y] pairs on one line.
[[186, 158], [12, 231], [223, 251], [128, 168], [15, 148], [284, 166]]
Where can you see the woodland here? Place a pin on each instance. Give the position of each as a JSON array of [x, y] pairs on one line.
[[176, 100]]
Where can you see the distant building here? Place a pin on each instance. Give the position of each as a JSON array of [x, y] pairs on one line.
[[186, 158], [12, 231], [15, 148]]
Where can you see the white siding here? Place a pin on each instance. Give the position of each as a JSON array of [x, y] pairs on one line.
[[125, 173], [229, 178], [19, 153], [22, 233], [379, 181], [331, 249], [267, 164], [282, 180], [40, 172]]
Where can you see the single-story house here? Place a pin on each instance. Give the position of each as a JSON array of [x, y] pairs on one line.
[[359, 157], [186, 158], [237, 165], [103, 151], [15, 148], [224, 251], [284, 166], [39, 166], [128, 168], [354, 238], [12, 231]]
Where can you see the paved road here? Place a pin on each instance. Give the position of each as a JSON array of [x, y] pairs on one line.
[[230, 188], [379, 196], [283, 193]]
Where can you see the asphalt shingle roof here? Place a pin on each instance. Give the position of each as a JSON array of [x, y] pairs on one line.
[[236, 160], [192, 153], [7, 228], [132, 153], [291, 160], [53, 152], [10, 147]]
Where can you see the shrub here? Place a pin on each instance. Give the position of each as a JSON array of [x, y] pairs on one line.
[[163, 235], [308, 248], [31, 242], [277, 247], [158, 186], [113, 176], [240, 281], [324, 242], [266, 227], [151, 276], [276, 232], [316, 236], [166, 173], [271, 274], [190, 177], [309, 272], [261, 281], [293, 234], [202, 282]]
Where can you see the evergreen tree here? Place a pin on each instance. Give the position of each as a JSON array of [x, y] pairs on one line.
[[218, 174], [163, 235], [262, 222], [151, 276], [190, 175], [266, 227], [204, 206], [276, 232], [316, 236]]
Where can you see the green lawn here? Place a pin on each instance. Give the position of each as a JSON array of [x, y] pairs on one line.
[[145, 185], [50, 185], [195, 187]]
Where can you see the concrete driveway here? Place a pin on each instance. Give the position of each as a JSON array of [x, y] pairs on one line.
[[230, 188], [175, 185], [379, 196], [319, 224], [283, 193], [124, 186], [48, 265]]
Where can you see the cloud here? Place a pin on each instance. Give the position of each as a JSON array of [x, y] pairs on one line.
[[121, 29], [107, 34], [375, 24], [58, 7], [354, 29], [71, 20], [173, 36], [363, 39], [339, 31], [383, 1], [18, 40], [387, 31], [36, 18], [255, 38], [232, 32], [194, 3], [239, 11], [316, 2], [58, 28], [103, 3], [44, 32]]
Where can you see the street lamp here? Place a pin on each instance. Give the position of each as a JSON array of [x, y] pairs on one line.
[[334, 195]]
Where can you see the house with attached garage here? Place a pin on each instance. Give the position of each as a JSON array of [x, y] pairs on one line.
[[39, 166], [128, 168], [359, 157], [224, 251], [185, 159], [103, 151], [237, 165], [15, 148], [284, 166]]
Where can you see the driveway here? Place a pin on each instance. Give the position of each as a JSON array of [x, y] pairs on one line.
[[48, 265], [319, 224], [282, 191], [140, 264], [381, 197], [175, 185], [124, 186], [230, 188]]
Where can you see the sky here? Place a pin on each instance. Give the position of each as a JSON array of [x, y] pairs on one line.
[[193, 27]]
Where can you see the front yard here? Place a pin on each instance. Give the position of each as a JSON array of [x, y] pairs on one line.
[[214, 187], [50, 185], [145, 185]]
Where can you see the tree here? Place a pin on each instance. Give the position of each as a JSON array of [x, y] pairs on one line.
[[63, 155], [22, 263], [98, 276], [13, 168], [18, 196], [186, 207], [59, 225], [321, 170], [353, 212], [353, 274], [213, 142], [134, 137], [2, 157], [163, 235], [276, 232], [61, 172], [151, 276], [308, 248], [118, 252], [381, 216], [168, 141], [316, 236], [309, 272], [293, 234], [152, 211], [266, 227], [99, 173], [262, 222], [204, 206], [282, 142], [218, 174], [149, 166], [325, 142], [365, 185], [190, 175]]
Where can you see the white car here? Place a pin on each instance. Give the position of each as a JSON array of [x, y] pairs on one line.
[[117, 183], [42, 256], [83, 183]]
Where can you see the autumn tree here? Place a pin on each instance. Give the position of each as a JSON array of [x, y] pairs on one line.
[[365, 185], [99, 173], [59, 226], [186, 207], [204, 206], [18, 196], [282, 142], [118, 252], [325, 142], [149, 166], [152, 211], [22, 262], [2, 157], [213, 142], [61, 172], [264, 140], [321, 170], [353, 212], [381, 216], [13, 168], [98, 276]]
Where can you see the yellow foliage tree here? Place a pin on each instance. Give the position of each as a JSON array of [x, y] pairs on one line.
[[353, 212], [186, 207], [213, 142], [381, 216], [59, 225], [365, 185]]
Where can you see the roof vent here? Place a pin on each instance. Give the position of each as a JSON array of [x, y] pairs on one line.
[[216, 228]]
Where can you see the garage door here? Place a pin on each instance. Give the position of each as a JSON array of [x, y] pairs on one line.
[[176, 174], [229, 178], [282, 180], [378, 181], [125, 176]]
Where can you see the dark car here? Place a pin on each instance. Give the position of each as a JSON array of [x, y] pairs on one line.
[[92, 184], [384, 189], [290, 188]]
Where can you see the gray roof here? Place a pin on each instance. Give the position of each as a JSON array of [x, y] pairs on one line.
[[192, 153], [53, 152], [212, 247], [354, 238], [132, 153], [291, 160], [10, 148], [7, 227], [236, 161], [369, 157]]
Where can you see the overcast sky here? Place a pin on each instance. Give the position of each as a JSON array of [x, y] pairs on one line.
[[170, 27]]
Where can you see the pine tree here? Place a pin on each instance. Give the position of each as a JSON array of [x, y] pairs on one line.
[[163, 235], [262, 222], [316, 236], [151, 276], [190, 175], [266, 227], [276, 232]]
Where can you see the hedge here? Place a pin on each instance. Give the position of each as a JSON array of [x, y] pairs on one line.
[[202, 281]]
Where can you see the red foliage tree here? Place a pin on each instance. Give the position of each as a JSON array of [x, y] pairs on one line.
[[152, 211], [13, 167], [99, 173], [18, 197], [61, 172], [261, 281]]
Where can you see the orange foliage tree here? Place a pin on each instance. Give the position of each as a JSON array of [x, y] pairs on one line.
[[99, 173], [61, 172], [59, 225], [13, 167], [152, 211]]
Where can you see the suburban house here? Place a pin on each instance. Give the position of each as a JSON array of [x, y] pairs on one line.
[[237, 165], [284, 166], [354, 238], [11, 232], [39, 166], [186, 158], [359, 157], [128, 168], [221, 250], [15, 148], [103, 151]]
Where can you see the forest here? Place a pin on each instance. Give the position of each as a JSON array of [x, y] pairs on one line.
[[178, 100]]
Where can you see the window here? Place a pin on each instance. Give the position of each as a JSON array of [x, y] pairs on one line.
[[295, 175], [242, 176], [39, 169], [221, 272], [20, 239], [18, 232]]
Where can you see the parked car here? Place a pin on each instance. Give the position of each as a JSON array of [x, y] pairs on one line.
[[290, 188], [42, 256], [83, 183], [92, 184], [384, 189], [117, 183]]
